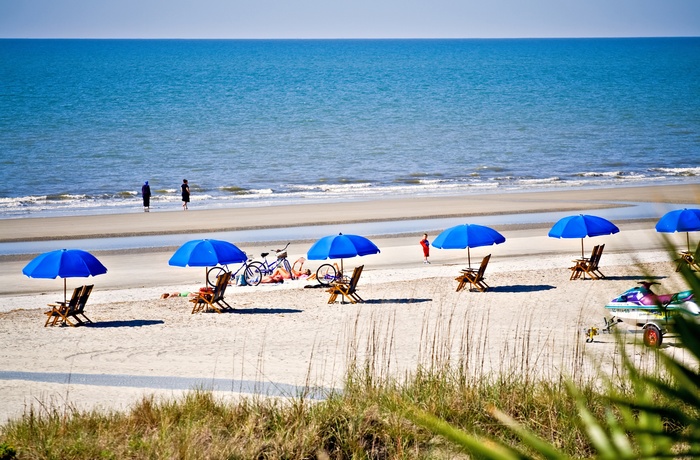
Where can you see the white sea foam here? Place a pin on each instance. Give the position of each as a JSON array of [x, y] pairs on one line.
[[262, 191], [678, 171], [306, 193], [327, 187], [66, 197], [601, 174], [545, 180]]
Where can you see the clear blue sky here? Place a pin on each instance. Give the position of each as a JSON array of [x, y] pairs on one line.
[[347, 18]]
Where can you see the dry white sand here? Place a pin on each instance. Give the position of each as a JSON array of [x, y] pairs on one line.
[[283, 337]]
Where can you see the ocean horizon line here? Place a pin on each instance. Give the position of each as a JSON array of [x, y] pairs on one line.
[[557, 37]]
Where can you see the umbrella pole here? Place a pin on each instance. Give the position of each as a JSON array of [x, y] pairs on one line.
[[469, 257], [687, 239], [64, 291], [582, 256]]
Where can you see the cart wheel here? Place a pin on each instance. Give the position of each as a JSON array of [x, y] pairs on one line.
[[653, 336]]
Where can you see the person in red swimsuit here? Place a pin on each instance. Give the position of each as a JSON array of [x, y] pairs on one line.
[[426, 248]]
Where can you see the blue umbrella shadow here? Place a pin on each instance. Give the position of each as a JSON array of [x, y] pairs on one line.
[[636, 277], [127, 323], [265, 311], [522, 288], [315, 286], [402, 301]]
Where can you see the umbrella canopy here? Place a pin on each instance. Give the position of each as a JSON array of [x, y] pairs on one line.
[[64, 263], [340, 247], [468, 236], [207, 253], [680, 220], [581, 226]]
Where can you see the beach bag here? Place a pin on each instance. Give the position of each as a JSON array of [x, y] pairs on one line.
[[241, 280]]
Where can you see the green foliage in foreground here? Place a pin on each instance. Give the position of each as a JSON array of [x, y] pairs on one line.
[[366, 421], [349, 425], [436, 413], [7, 452]]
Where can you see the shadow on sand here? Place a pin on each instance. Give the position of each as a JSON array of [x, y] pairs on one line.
[[265, 311], [521, 288], [127, 323], [381, 301], [639, 277], [316, 286]]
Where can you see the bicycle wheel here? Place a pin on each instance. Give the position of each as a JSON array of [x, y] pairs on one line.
[[325, 274], [252, 275], [261, 268], [214, 273]]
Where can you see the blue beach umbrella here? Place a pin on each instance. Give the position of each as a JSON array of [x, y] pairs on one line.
[[680, 220], [581, 226], [340, 247], [207, 253], [64, 263], [467, 236]]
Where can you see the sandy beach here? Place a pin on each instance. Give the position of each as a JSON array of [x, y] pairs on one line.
[[284, 337]]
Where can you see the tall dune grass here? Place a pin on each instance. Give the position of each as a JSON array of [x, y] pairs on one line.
[[357, 423]]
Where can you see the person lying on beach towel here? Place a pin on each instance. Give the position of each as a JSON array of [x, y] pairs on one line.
[[280, 274]]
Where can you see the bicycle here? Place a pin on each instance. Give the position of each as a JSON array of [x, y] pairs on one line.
[[268, 268], [251, 273], [328, 274]]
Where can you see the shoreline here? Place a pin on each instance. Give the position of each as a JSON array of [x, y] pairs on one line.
[[139, 268], [380, 210]]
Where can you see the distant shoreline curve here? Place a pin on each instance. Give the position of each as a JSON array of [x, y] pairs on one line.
[[380, 210]]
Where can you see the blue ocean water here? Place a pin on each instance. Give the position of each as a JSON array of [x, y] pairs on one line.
[[253, 122]]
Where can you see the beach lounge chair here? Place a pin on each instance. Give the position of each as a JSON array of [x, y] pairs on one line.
[[475, 278], [581, 265], [595, 267], [214, 300], [80, 308], [590, 266], [60, 310], [347, 290], [690, 258]]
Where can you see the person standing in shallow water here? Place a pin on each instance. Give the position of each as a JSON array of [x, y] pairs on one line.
[[185, 194], [426, 248], [146, 194]]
